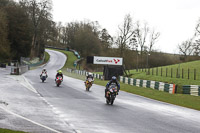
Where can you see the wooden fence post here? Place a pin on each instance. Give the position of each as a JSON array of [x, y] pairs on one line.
[[149, 71], [166, 71], [188, 73], [161, 71], [152, 71], [182, 73], [157, 71], [194, 74], [171, 72]]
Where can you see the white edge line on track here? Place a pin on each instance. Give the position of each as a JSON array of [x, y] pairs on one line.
[[53, 130]]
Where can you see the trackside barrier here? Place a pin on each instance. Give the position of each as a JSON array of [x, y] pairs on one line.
[[170, 88], [193, 90], [83, 72], [14, 71], [19, 70]]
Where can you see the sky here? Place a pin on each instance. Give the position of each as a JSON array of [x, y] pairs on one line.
[[174, 19]]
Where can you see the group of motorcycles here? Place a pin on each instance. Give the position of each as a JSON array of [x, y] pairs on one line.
[[58, 80], [110, 95]]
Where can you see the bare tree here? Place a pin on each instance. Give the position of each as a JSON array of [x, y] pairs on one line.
[[141, 34], [64, 35], [153, 38], [126, 32], [59, 28], [196, 47], [198, 27], [186, 48]]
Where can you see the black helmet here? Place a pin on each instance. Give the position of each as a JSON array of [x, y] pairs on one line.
[[114, 78]]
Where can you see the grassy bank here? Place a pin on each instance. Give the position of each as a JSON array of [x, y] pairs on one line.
[[169, 74], [9, 131], [178, 81], [176, 99], [47, 56], [70, 58]]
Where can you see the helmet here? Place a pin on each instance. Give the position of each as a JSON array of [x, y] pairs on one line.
[[59, 71], [114, 78], [89, 73], [44, 69]]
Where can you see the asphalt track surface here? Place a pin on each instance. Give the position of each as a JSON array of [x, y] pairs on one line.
[[28, 104]]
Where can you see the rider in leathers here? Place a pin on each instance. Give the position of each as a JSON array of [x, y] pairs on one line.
[[113, 80], [59, 74]]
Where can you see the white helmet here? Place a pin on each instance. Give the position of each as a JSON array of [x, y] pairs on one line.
[[89, 73]]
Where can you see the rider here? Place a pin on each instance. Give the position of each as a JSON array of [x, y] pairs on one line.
[[59, 73], [44, 71], [90, 75], [112, 81]]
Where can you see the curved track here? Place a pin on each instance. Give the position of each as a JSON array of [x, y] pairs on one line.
[[87, 112]]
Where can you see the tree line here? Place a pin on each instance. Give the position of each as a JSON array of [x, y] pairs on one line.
[[27, 26], [24, 28], [134, 42]]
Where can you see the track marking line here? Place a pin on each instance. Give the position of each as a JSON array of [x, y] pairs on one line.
[[53, 130]]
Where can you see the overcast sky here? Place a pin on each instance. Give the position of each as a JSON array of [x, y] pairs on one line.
[[174, 19]]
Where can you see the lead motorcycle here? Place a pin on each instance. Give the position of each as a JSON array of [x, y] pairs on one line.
[[59, 80], [111, 94], [43, 77], [88, 84]]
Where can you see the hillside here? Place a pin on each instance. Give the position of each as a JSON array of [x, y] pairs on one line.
[[177, 74]]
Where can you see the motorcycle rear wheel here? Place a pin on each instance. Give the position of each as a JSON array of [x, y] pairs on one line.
[[112, 101], [107, 101]]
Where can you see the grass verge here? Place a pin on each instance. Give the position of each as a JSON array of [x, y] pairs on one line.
[[46, 59], [9, 131], [70, 58], [47, 56], [188, 101], [178, 81]]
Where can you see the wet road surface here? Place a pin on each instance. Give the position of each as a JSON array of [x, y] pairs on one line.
[[69, 108]]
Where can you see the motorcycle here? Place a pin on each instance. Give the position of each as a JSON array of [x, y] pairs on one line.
[[88, 84], [58, 81], [111, 94], [43, 77]]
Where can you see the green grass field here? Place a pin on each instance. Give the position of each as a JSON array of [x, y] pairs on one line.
[[169, 76], [9, 131], [176, 99], [183, 75]]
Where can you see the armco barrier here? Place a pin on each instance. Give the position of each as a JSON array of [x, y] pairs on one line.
[[193, 90], [83, 72], [170, 88]]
